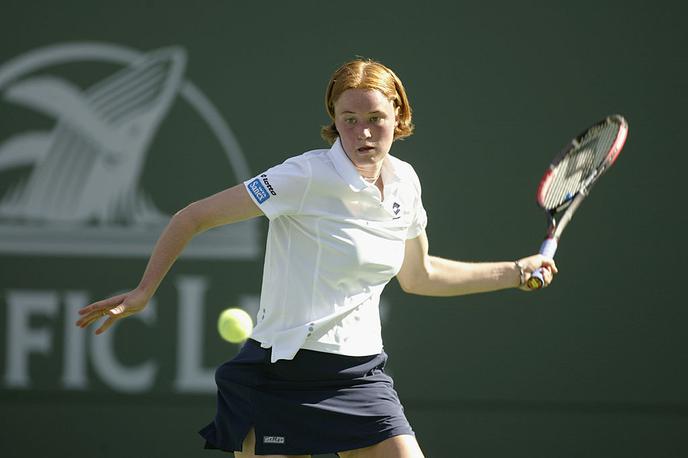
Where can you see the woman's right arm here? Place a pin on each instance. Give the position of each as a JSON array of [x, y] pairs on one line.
[[226, 207]]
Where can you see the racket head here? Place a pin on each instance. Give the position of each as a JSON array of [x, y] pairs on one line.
[[576, 168]]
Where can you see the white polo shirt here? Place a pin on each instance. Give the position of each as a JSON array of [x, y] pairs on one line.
[[332, 246]]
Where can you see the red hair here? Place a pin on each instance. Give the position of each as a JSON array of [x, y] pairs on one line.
[[368, 74]]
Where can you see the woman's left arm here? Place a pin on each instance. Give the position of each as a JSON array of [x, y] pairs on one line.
[[432, 276]]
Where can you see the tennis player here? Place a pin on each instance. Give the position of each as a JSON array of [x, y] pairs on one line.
[[343, 222]]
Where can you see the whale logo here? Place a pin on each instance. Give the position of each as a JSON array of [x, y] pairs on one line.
[[83, 193]]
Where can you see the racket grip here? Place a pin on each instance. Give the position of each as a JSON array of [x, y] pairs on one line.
[[547, 249]]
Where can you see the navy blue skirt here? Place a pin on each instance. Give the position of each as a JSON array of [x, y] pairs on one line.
[[317, 403]]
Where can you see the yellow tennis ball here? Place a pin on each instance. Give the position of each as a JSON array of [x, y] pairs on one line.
[[234, 325]]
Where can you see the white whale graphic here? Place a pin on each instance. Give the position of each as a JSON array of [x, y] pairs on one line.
[[82, 195], [86, 169]]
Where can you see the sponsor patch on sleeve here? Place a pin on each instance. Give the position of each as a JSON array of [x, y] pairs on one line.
[[258, 190]]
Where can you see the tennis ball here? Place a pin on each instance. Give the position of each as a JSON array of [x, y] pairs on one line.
[[234, 325]]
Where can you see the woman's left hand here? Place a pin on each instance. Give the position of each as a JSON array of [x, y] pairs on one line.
[[532, 263]]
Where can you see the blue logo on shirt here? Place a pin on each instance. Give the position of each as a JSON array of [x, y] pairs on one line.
[[258, 190]]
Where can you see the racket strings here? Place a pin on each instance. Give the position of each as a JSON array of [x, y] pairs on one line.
[[580, 165]]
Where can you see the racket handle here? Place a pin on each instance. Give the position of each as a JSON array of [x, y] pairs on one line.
[[547, 249]]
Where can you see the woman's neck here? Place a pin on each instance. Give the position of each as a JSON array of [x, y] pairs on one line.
[[371, 173], [373, 176]]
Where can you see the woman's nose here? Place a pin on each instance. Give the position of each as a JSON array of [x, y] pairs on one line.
[[364, 133]]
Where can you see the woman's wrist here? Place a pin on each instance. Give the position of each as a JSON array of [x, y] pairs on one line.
[[145, 291], [521, 274]]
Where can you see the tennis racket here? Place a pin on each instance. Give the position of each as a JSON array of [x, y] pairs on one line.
[[570, 176]]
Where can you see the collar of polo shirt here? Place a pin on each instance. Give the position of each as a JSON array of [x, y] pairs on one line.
[[346, 169]]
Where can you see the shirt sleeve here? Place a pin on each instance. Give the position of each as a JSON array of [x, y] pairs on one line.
[[419, 220], [281, 190]]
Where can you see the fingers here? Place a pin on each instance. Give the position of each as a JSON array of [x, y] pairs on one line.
[[119, 310], [548, 272], [106, 324], [97, 310], [105, 304], [549, 264], [531, 264], [112, 315], [91, 318], [113, 309], [549, 269], [88, 320], [548, 275]]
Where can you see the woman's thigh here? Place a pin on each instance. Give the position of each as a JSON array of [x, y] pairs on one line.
[[249, 449], [403, 446]]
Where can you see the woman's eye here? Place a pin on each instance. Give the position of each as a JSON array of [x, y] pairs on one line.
[[350, 120]]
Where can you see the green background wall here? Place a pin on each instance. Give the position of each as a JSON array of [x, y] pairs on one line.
[[594, 366]]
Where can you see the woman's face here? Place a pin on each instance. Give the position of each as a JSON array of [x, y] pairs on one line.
[[365, 120]]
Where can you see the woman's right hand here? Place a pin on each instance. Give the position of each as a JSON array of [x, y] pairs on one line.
[[114, 308], [225, 207]]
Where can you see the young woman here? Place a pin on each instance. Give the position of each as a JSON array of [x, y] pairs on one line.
[[343, 222]]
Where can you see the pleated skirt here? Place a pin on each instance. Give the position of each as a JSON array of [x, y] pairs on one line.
[[317, 403]]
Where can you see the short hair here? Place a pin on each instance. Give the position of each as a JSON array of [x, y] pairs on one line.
[[368, 74]]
